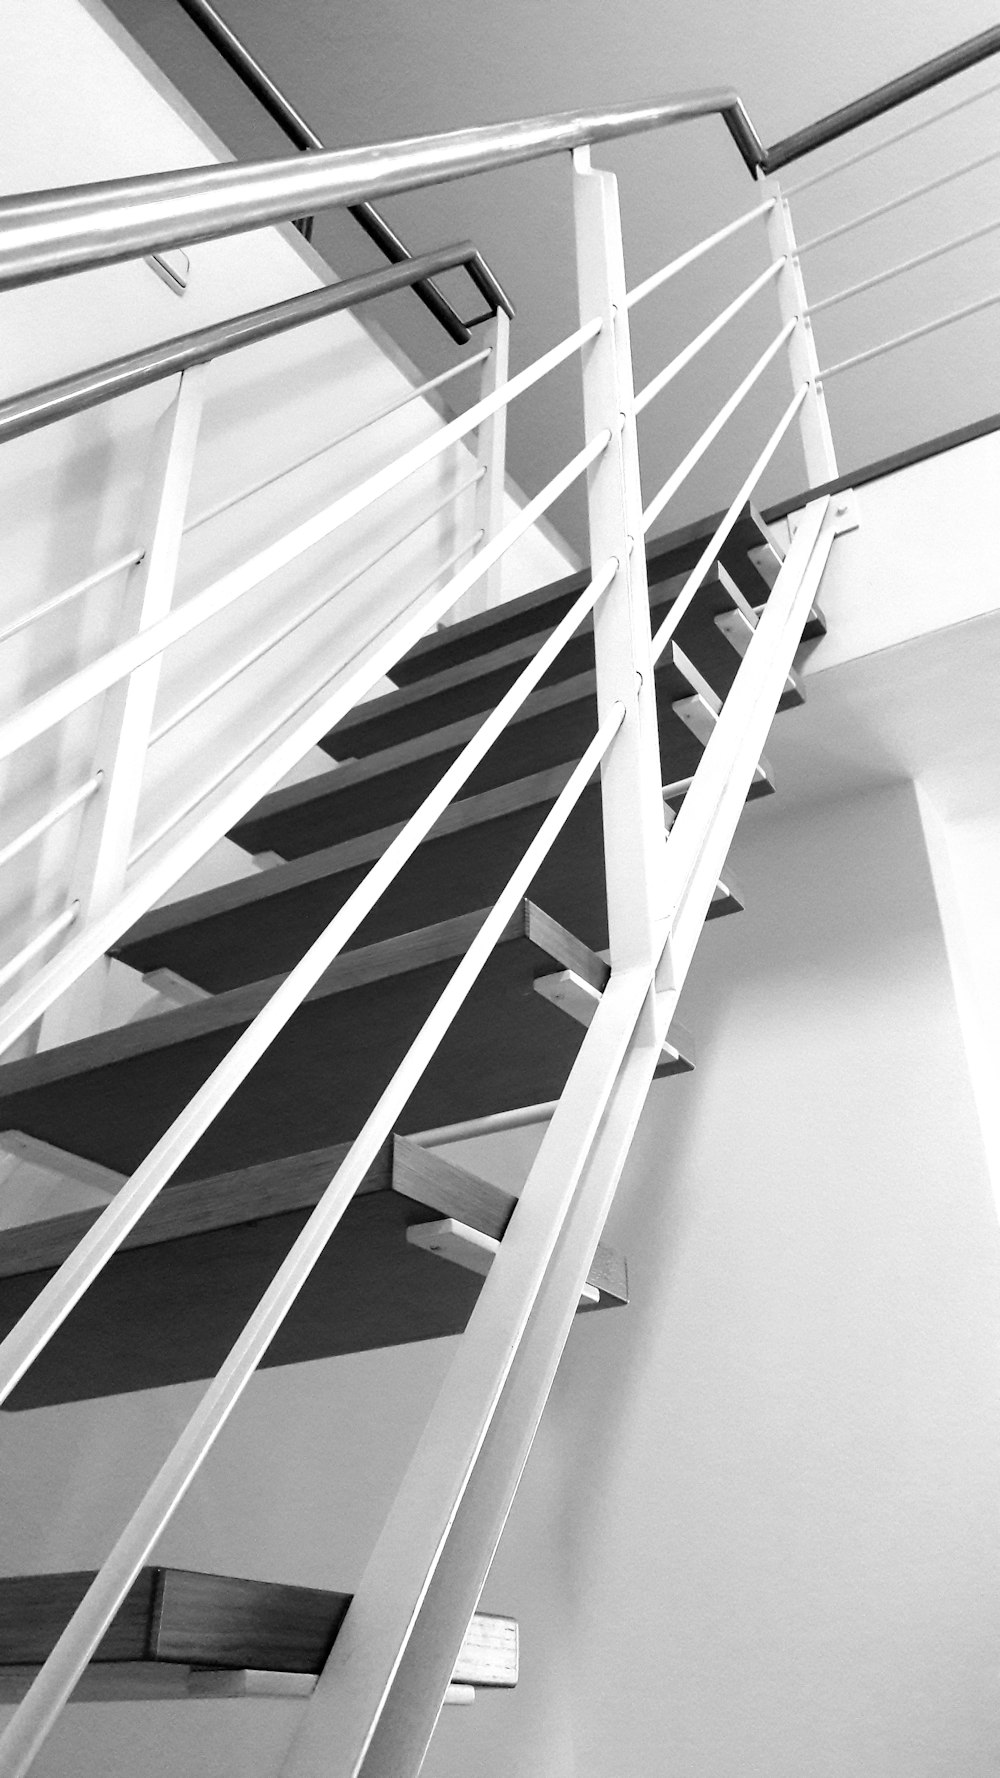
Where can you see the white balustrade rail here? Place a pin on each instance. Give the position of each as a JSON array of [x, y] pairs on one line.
[[413, 1604]]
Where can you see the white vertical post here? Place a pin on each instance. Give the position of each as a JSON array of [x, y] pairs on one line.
[[634, 834], [491, 451], [814, 423], [98, 873]]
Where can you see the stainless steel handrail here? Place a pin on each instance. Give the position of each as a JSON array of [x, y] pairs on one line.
[[118, 376], [50, 234], [883, 98], [246, 66]]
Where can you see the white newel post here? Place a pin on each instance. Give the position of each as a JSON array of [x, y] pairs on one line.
[[634, 833], [102, 853], [814, 423]]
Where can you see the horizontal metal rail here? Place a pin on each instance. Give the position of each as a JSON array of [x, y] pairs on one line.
[[209, 786], [871, 148], [679, 606], [35, 832], [167, 358], [86, 585], [711, 432], [522, 1117], [99, 934], [15, 964], [646, 288], [906, 265], [247, 660], [51, 234], [59, 1674], [884, 98], [267, 93], [383, 413], [905, 197], [77, 690], [914, 333], [684, 358]]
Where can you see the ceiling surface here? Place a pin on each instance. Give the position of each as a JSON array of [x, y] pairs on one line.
[[388, 69]]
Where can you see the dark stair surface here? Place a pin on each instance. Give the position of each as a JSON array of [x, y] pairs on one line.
[[210, 1620], [171, 1302]]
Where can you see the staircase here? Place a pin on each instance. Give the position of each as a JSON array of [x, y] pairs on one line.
[[480, 916]]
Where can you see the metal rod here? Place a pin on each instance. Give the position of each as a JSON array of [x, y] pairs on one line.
[[913, 129], [641, 291], [294, 623], [92, 942], [906, 265], [208, 788], [43, 1702], [268, 481], [136, 370], [74, 592], [278, 106], [915, 333], [54, 233], [708, 555], [38, 943], [518, 1119], [77, 690], [711, 432], [883, 98], [55, 814], [667, 375], [917, 191]]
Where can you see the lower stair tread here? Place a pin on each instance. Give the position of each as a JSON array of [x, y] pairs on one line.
[[169, 1305], [174, 1617], [109, 1098]]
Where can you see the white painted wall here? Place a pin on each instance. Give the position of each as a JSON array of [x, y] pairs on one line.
[[80, 103]]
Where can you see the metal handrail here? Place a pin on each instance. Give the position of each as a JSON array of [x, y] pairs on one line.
[[246, 66], [135, 370], [883, 98], [51, 234], [870, 148]]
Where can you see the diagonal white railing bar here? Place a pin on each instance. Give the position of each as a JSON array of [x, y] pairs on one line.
[[15, 964], [79, 587], [118, 662], [652, 283], [863, 154], [905, 197], [387, 1670], [68, 803], [711, 432], [268, 481], [914, 333], [905, 265], [669, 625], [676, 365], [287, 629], [100, 934], [54, 1303], [56, 1679], [210, 785]]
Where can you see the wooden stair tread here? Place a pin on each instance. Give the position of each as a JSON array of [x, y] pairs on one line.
[[110, 1097], [476, 685], [552, 728], [170, 1304], [174, 1616], [542, 609], [262, 924]]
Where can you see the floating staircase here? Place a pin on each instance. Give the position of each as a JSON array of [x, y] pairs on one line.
[[169, 1305]]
